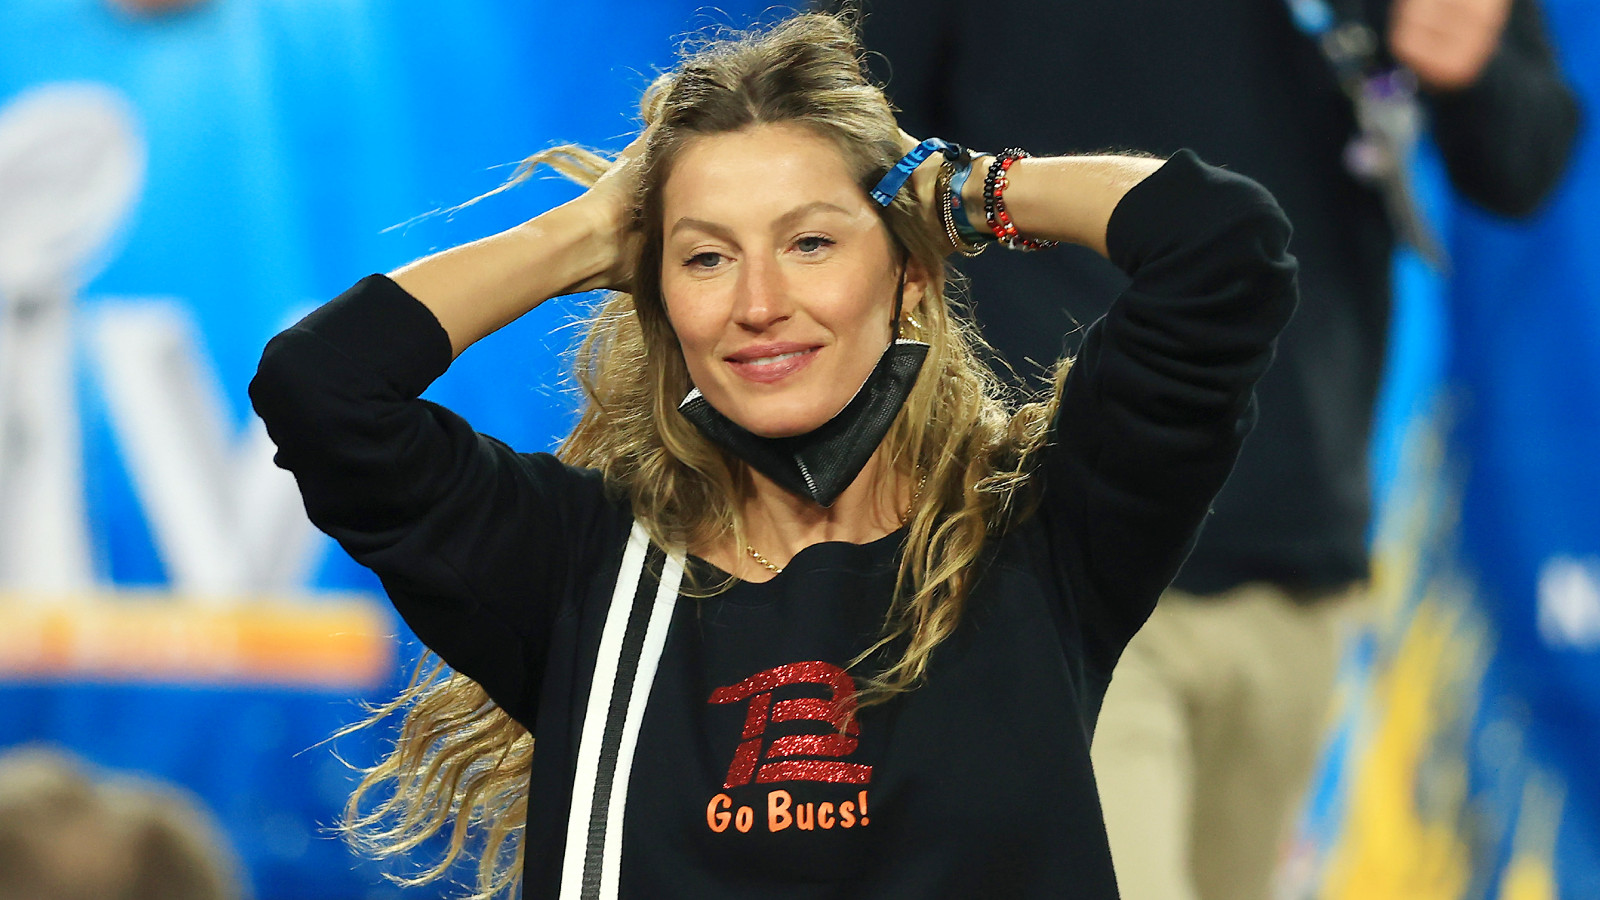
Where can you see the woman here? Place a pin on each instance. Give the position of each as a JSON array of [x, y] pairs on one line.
[[801, 609]]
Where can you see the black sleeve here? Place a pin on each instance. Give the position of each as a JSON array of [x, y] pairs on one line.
[[1161, 395], [475, 543], [1506, 138]]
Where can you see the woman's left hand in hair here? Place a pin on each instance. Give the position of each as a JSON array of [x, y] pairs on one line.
[[924, 186]]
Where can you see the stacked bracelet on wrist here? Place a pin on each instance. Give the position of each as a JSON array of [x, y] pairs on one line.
[[994, 206], [953, 174], [963, 240]]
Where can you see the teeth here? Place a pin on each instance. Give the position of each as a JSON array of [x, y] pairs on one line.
[[769, 360]]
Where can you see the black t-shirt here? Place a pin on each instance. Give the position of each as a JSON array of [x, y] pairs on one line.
[[977, 783], [1238, 83]]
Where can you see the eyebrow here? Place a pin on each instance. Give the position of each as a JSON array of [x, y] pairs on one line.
[[781, 222]]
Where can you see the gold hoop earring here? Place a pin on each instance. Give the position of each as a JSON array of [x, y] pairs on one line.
[[912, 321]]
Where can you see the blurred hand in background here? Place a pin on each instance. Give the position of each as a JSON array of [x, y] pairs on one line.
[[1447, 43]]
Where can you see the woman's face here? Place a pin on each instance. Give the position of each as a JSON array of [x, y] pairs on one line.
[[779, 276]]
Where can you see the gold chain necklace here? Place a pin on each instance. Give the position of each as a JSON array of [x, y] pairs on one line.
[[765, 563], [762, 560]]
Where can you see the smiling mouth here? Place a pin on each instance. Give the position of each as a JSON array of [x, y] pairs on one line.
[[774, 360], [775, 368]]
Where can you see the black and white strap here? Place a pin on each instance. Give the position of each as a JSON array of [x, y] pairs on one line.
[[630, 649]]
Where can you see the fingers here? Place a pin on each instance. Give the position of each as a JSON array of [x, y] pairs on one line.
[[1446, 42]]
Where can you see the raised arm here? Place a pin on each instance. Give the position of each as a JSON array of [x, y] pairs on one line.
[[1156, 405], [1066, 198], [476, 544], [477, 288]]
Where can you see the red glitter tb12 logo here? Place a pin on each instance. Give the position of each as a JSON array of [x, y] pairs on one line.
[[782, 765]]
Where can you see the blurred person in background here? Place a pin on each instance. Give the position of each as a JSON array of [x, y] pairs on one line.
[[67, 833], [1211, 725]]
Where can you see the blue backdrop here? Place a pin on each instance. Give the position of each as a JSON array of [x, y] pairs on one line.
[[1524, 377], [1462, 764]]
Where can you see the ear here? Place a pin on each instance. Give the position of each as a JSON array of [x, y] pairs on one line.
[[919, 282]]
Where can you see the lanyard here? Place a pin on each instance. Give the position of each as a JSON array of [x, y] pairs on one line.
[[1387, 113], [1348, 42]]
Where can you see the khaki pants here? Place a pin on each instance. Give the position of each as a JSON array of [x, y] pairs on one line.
[[1208, 736]]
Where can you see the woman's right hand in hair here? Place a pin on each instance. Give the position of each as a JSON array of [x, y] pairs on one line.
[[587, 244], [612, 199]]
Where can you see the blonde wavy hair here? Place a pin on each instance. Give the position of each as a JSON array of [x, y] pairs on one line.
[[460, 763]]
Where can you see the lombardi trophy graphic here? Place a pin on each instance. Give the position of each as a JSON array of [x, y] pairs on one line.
[[71, 166]]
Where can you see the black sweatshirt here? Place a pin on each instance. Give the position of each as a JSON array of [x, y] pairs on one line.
[[1236, 81], [977, 783]]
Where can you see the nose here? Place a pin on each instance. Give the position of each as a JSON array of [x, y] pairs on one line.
[[762, 295]]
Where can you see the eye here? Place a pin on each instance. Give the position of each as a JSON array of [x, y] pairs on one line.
[[812, 243], [707, 260]]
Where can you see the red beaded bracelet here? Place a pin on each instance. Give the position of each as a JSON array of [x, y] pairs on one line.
[[994, 206]]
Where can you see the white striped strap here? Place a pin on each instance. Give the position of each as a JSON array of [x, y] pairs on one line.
[[630, 649]]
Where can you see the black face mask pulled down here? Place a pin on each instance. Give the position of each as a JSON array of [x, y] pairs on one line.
[[820, 464]]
